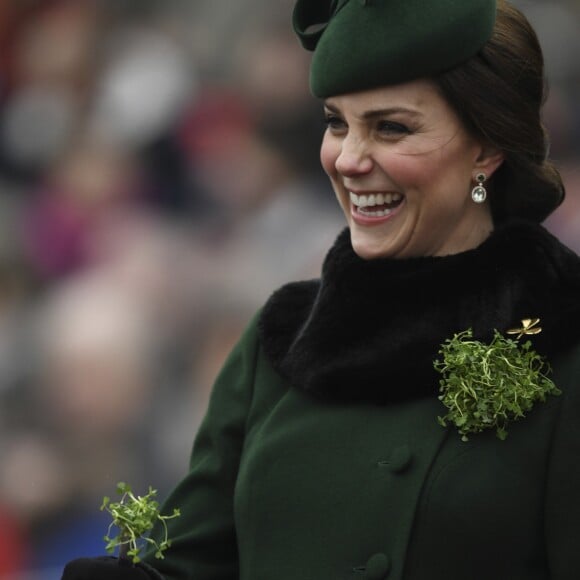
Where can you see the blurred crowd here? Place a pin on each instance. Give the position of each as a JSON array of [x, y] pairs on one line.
[[159, 178]]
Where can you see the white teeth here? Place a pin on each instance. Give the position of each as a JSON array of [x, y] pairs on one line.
[[362, 201]]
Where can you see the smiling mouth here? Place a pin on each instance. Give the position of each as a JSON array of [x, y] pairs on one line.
[[376, 205]]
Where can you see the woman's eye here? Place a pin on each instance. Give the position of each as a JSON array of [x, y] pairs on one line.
[[334, 122], [393, 128]]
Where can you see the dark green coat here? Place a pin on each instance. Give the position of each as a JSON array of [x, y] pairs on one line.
[[287, 483]]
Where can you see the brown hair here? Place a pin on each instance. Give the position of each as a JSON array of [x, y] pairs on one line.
[[499, 95]]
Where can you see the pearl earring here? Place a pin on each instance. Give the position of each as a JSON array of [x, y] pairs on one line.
[[479, 193]]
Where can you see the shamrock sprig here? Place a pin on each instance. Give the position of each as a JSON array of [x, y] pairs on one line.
[[487, 386], [134, 516]]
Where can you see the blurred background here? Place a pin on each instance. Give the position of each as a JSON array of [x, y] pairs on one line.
[[159, 178]]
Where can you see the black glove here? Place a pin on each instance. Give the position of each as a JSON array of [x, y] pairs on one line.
[[108, 568]]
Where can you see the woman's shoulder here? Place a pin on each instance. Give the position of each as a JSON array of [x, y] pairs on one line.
[[283, 312]]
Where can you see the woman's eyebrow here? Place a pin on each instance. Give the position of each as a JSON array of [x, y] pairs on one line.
[[375, 113]]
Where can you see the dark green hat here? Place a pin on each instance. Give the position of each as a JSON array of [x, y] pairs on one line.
[[364, 44]]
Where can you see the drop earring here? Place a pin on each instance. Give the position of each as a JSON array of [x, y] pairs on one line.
[[479, 193]]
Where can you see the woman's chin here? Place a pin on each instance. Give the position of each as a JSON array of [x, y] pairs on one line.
[[369, 248]]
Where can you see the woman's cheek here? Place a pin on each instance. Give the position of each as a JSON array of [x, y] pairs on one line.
[[328, 155]]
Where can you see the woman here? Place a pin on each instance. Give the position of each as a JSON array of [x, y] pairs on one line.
[[321, 455]]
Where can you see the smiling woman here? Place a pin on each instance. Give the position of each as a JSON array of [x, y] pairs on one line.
[[401, 164], [337, 444]]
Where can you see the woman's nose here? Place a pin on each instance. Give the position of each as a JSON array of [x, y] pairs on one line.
[[354, 158]]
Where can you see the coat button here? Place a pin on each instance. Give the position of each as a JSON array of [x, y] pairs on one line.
[[378, 567]]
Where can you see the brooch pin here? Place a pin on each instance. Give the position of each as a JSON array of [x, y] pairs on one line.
[[529, 326], [487, 386]]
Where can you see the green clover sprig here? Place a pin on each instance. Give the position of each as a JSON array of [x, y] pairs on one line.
[[487, 386], [133, 517]]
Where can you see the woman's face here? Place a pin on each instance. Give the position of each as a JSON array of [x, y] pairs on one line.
[[403, 167]]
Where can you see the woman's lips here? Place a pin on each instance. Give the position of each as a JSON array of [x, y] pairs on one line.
[[374, 207]]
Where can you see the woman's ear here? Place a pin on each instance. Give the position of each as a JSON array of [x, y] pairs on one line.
[[489, 160]]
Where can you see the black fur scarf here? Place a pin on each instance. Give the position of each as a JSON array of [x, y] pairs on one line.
[[369, 331]]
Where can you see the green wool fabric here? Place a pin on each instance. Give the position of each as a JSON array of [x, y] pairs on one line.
[[364, 44]]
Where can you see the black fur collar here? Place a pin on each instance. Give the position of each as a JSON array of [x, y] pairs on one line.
[[370, 330]]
